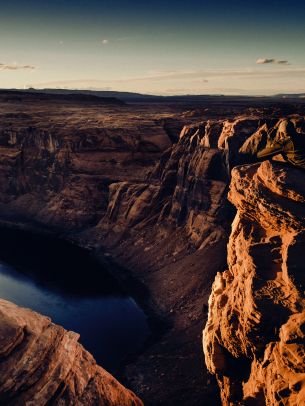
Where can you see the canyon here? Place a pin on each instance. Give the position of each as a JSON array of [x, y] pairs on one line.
[[145, 188]]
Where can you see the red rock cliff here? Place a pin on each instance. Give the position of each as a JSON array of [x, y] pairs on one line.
[[254, 340], [42, 363]]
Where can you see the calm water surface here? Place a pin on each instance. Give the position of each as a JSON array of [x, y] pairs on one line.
[[63, 283]]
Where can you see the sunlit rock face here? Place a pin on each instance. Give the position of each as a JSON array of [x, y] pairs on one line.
[[41, 363], [254, 340]]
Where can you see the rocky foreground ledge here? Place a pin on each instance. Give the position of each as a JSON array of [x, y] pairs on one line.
[[42, 363], [254, 340]]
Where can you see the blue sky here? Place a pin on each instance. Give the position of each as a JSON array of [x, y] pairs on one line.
[[162, 47]]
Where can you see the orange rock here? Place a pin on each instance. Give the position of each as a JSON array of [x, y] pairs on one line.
[[254, 340], [42, 363]]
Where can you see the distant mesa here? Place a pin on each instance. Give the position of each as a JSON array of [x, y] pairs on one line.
[[120, 98], [69, 96]]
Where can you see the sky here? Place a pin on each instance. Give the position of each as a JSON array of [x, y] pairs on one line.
[[156, 47]]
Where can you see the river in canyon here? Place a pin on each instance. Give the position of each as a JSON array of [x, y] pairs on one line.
[[63, 282]]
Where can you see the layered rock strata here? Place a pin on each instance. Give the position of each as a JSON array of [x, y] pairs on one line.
[[57, 160], [41, 363], [254, 340], [170, 232], [122, 180]]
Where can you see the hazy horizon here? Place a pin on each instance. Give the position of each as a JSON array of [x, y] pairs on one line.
[[202, 47], [72, 89]]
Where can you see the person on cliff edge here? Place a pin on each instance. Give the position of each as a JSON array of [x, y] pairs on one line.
[[288, 143]]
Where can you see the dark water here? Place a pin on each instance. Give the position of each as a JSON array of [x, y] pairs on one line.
[[66, 284]]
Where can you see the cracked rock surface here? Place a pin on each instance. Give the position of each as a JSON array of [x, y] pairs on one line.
[[254, 340]]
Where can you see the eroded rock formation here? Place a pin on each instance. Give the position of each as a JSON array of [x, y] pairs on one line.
[[121, 180], [254, 340], [41, 363], [171, 233], [57, 161]]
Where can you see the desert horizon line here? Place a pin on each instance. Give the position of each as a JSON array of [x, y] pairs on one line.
[[135, 92]]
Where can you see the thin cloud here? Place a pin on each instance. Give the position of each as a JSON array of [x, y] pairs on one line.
[[208, 75], [123, 39], [190, 76], [265, 61], [257, 80], [106, 41], [15, 66], [81, 84]]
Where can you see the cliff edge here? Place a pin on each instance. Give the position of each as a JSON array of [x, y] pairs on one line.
[[42, 363], [254, 340]]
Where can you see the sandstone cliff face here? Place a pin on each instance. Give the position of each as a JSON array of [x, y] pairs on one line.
[[187, 188], [172, 229], [41, 363], [254, 340], [171, 232], [123, 181]]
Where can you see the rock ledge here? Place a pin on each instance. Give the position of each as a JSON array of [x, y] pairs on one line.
[[42, 363]]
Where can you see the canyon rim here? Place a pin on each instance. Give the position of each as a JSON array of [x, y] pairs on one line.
[[156, 213]]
